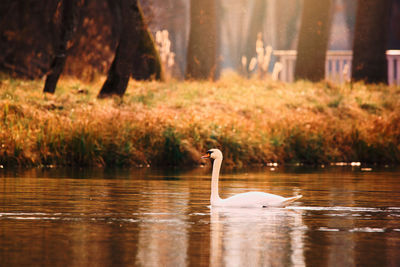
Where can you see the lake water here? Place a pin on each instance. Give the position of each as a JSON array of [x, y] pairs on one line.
[[62, 217]]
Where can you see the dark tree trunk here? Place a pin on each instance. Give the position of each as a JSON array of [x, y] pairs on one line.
[[394, 36], [202, 48], [122, 65], [370, 41], [70, 13], [147, 64], [313, 40], [135, 47]]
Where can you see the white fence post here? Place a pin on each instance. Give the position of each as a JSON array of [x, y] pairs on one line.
[[393, 58], [337, 65]]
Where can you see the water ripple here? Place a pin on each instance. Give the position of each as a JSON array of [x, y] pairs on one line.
[[347, 209]]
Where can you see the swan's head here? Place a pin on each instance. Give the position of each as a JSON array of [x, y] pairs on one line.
[[213, 154]]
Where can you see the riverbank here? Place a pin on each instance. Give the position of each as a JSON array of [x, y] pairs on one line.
[[173, 123]]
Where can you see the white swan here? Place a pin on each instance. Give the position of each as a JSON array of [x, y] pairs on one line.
[[249, 199]]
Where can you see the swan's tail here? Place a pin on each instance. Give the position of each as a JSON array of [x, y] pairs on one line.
[[291, 199]]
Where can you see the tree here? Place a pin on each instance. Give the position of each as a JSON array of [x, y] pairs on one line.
[[202, 48], [147, 63], [370, 41], [313, 40], [394, 36], [26, 30], [135, 41], [70, 13]]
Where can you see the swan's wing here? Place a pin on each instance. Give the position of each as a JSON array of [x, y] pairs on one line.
[[291, 199], [253, 199]]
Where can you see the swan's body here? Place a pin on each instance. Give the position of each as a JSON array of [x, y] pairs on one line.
[[249, 199], [254, 199]]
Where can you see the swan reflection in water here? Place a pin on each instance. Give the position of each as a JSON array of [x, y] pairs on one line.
[[256, 237]]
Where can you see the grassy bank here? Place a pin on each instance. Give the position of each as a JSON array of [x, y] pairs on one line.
[[252, 121]]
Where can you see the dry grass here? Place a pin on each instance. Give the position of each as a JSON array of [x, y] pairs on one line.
[[252, 121]]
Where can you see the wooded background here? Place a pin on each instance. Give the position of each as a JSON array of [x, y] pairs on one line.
[[34, 37]]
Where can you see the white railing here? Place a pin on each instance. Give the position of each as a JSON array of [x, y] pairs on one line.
[[337, 65], [393, 58]]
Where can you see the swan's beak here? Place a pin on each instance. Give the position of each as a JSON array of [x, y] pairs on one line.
[[206, 156]]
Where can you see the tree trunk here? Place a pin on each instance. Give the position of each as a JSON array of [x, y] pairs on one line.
[[202, 48], [394, 36], [147, 64], [135, 47], [313, 40], [70, 13], [370, 41]]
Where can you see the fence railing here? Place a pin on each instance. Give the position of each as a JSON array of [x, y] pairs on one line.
[[337, 65]]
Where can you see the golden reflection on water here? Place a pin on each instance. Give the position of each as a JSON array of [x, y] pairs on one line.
[[144, 218], [256, 237], [163, 233]]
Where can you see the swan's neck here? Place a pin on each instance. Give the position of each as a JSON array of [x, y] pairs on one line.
[[214, 180]]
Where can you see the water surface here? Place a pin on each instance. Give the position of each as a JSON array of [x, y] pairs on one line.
[[347, 217]]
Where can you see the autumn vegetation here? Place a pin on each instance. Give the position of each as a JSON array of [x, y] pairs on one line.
[[172, 123]]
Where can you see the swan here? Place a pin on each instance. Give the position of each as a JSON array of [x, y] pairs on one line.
[[249, 199]]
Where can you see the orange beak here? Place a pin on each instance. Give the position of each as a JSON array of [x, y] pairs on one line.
[[206, 156]]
